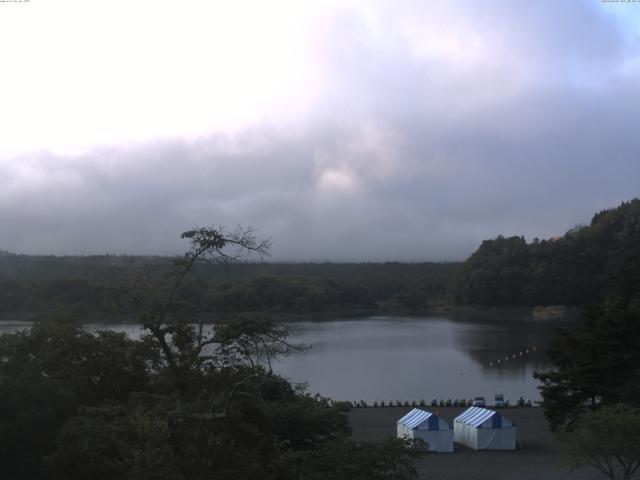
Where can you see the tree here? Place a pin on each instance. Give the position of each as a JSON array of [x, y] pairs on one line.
[[173, 324], [392, 459], [586, 265], [597, 362], [253, 339], [47, 373], [608, 440], [213, 407]]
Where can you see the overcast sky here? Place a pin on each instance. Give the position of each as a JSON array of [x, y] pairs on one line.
[[344, 130]]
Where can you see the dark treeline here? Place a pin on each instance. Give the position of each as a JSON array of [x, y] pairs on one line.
[[591, 397], [33, 284], [588, 264]]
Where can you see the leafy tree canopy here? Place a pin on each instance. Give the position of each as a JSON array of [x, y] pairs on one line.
[[597, 362], [183, 402], [586, 265], [608, 440]]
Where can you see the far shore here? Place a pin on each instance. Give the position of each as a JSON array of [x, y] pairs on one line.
[[461, 312]]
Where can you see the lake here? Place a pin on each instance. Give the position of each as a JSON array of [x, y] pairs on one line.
[[411, 358]]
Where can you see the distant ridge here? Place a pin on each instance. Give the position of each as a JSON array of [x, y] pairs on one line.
[[588, 264]]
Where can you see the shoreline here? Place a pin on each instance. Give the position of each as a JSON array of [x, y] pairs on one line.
[[455, 312]]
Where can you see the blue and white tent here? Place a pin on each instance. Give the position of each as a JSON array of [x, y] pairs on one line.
[[429, 427], [483, 429]]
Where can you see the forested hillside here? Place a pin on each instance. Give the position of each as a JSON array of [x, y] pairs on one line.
[[587, 265], [84, 285]]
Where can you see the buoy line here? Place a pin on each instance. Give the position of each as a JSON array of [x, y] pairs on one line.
[[513, 356]]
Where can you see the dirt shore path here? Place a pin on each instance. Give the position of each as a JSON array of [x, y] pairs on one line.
[[537, 458]]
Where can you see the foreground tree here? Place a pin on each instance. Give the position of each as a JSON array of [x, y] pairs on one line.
[[164, 309], [392, 459], [597, 362], [187, 401], [47, 373], [608, 440]]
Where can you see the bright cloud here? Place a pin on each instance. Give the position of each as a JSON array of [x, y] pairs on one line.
[[83, 73], [344, 130]]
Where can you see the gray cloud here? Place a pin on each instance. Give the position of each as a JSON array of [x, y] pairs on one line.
[[523, 122]]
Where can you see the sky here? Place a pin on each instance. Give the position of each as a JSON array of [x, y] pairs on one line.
[[343, 130]]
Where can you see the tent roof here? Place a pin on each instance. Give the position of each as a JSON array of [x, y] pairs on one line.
[[475, 416], [415, 418]]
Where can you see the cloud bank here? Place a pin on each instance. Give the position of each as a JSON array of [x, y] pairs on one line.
[[413, 131]]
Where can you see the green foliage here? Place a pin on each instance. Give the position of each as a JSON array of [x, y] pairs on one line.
[[495, 274], [184, 402], [392, 459], [76, 405], [244, 338], [46, 373], [142, 443], [588, 264], [597, 362], [32, 286], [289, 295], [608, 440]]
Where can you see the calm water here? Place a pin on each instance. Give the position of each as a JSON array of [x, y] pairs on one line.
[[385, 358], [401, 358]]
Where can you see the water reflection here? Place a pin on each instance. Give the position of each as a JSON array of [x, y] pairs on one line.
[[506, 346], [10, 326], [383, 358], [404, 358]]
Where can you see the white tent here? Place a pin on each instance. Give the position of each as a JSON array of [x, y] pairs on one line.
[[483, 429], [429, 427]]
